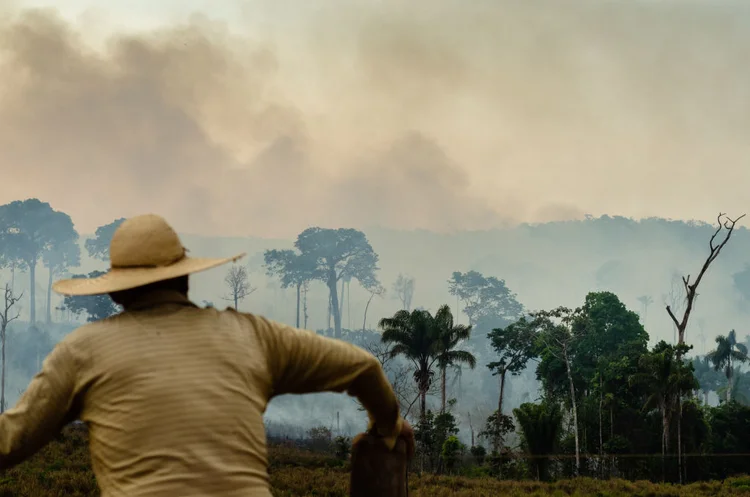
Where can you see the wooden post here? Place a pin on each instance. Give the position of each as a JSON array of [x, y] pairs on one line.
[[377, 471]]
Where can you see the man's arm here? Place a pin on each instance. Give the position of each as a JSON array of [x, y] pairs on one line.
[[304, 362], [42, 411]]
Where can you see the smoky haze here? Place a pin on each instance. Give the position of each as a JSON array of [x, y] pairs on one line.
[[426, 115]]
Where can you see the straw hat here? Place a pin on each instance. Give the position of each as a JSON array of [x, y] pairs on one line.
[[143, 250]]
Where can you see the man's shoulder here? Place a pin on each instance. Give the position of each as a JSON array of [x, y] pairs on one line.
[[88, 331]]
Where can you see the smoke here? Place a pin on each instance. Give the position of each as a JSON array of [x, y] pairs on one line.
[[409, 115]]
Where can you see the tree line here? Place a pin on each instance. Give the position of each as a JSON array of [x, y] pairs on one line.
[[608, 402]]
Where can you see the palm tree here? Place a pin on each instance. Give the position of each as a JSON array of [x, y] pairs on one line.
[[540, 425], [665, 379], [728, 352], [706, 375], [413, 335], [739, 390], [449, 335], [645, 300]]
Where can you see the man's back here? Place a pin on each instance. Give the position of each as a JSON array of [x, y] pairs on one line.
[[174, 398]]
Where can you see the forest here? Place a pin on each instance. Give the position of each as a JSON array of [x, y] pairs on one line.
[[609, 399]]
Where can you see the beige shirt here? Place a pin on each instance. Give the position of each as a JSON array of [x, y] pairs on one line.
[[174, 396]]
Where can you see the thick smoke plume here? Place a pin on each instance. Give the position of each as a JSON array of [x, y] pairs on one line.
[[440, 115]]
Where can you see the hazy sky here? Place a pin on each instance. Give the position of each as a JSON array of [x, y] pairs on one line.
[[262, 118]]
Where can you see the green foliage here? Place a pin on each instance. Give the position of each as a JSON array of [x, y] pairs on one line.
[[514, 346], [488, 302], [541, 427], [729, 352], [320, 438], [29, 229], [497, 427], [451, 451], [338, 254], [414, 336], [479, 453], [431, 433], [342, 447]]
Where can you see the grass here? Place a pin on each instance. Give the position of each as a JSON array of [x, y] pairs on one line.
[[62, 470]]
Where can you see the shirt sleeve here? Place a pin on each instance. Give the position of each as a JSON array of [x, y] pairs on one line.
[[45, 407], [301, 361]]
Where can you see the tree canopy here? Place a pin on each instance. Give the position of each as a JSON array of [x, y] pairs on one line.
[[28, 229], [339, 253]]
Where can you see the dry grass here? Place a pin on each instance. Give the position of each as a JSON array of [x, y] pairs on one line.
[[62, 470]]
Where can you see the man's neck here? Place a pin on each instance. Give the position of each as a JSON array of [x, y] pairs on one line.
[[153, 298]]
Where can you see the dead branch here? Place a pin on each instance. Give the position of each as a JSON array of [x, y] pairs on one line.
[[728, 225]]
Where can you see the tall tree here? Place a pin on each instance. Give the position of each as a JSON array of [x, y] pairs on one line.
[[376, 291], [725, 225], [665, 378], [403, 289], [292, 269], [729, 352], [450, 335], [6, 317], [238, 283], [555, 337], [645, 300], [337, 253], [29, 228], [96, 307], [98, 246], [413, 335], [514, 346], [58, 259], [488, 302], [707, 376]]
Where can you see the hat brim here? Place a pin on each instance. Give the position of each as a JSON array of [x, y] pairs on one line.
[[119, 279]]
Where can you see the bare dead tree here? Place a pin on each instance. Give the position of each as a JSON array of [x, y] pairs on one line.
[[726, 225], [674, 300], [6, 317], [238, 282], [398, 374], [403, 290], [375, 290]]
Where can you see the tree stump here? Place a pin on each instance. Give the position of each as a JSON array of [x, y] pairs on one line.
[[377, 471]]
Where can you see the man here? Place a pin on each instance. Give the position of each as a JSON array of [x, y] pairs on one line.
[[173, 394]]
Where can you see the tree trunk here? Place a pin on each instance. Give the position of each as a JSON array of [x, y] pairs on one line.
[[236, 301], [32, 291], [664, 440], [364, 320], [328, 326], [2, 380], [443, 382], [613, 460], [304, 306], [343, 299], [49, 295], [422, 403], [730, 374], [349, 303], [299, 290], [679, 437], [575, 411], [335, 306], [499, 441], [601, 425]]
